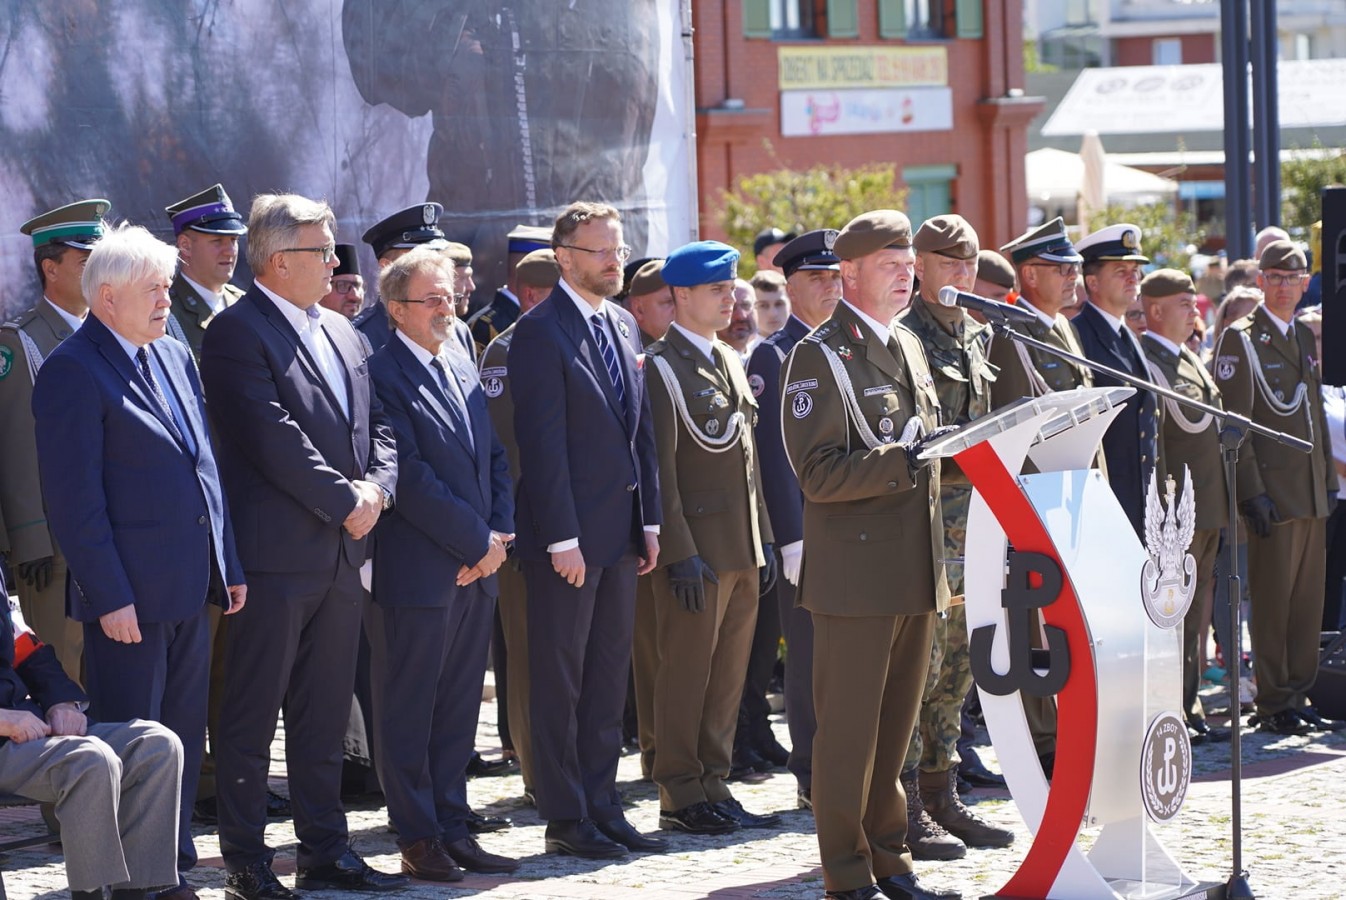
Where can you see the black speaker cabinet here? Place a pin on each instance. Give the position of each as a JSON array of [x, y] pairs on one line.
[[1329, 691], [1333, 255]]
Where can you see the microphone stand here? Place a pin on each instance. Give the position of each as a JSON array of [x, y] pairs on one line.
[[1234, 428]]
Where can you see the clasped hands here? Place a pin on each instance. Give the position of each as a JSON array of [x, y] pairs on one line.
[[487, 566]]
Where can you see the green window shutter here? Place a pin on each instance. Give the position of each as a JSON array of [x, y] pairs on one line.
[[967, 17], [843, 21], [892, 19], [757, 18]]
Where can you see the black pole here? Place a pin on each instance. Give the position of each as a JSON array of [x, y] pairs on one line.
[[1266, 115], [1231, 437], [1237, 174], [1272, 133]]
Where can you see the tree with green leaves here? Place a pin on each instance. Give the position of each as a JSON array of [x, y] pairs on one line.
[[820, 197], [1302, 181]]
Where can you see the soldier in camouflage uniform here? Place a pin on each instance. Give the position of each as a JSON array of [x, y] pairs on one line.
[[956, 344]]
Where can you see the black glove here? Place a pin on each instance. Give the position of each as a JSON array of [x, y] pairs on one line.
[[686, 578], [1260, 513], [915, 447], [36, 574], [1331, 502], [766, 576]]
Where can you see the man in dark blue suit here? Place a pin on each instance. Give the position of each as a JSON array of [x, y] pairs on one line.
[[588, 523], [435, 561], [133, 495], [1112, 273], [309, 464]]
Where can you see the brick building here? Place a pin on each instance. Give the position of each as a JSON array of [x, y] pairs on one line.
[[934, 86]]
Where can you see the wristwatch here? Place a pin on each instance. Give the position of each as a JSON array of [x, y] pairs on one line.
[[387, 498]]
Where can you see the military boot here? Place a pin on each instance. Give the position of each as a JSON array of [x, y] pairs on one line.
[[939, 795], [925, 837]]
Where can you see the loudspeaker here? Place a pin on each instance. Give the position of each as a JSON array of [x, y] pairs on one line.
[[1329, 691], [1333, 255]]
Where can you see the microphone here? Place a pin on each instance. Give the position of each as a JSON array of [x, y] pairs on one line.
[[992, 309]]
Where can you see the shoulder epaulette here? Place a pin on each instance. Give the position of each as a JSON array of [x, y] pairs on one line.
[[656, 348], [823, 331]]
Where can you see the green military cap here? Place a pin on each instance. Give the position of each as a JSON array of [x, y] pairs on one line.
[[993, 267], [1283, 255], [1048, 241], [461, 254], [648, 279], [871, 232], [538, 269], [949, 235], [77, 225], [527, 238], [210, 212], [1166, 283]]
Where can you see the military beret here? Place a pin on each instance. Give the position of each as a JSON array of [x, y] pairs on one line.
[[871, 232], [1116, 243], [648, 279], [1166, 283], [811, 250], [348, 261], [527, 238], [1282, 255], [538, 269], [77, 225], [210, 212], [461, 254], [700, 262], [768, 236], [949, 235], [993, 267], [1047, 241], [406, 228]]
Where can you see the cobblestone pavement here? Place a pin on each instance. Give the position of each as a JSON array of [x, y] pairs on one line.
[[1294, 842]]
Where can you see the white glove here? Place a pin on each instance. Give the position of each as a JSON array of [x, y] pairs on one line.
[[791, 555]]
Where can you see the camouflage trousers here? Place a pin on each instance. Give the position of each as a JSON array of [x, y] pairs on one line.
[[934, 740]]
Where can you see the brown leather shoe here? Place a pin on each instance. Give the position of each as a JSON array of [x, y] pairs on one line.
[[468, 854], [427, 860]]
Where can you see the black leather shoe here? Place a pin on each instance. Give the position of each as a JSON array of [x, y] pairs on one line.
[[977, 775], [481, 768], [699, 818], [1195, 737], [1287, 721], [747, 766], [206, 811], [864, 893], [909, 887], [256, 882], [580, 837], [479, 824], [804, 799], [772, 751], [732, 809], [620, 830], [348, 873], [467, 853], [1317, 722], [277, 807], [1208, 731]]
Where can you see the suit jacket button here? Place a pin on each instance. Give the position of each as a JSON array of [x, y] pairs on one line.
[[892, 484], [630, 488], [864, 535], [201, 520], [700, 509]]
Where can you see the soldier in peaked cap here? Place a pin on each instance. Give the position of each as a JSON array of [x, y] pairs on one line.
[[1267, 368], [207, 228], [505, 307], [767, 244], [716, 555], [62, 239], [1112, 273], [857, 401], [947, 250], [813, 278], [390, 238]]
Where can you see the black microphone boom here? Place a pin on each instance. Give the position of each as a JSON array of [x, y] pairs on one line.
[[992, 309]]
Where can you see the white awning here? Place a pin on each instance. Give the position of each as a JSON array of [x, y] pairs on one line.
[[1056, 177], [1164, 99]]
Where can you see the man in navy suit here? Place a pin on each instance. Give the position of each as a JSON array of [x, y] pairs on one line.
[[309, 464], [588, 523], [1112, 273], [435, 561], [133, 495]]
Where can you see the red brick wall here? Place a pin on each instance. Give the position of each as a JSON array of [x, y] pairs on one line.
[[1139, 51]]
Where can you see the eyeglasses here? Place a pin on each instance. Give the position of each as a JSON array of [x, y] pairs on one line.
[[433, 300], [1274, 280], [328, 253], [346, 287], [621, 254], [1134, 315], [1065, 270]]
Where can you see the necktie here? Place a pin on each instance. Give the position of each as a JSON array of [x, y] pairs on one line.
[[609, 355], [323, 354], [457, 402], [1132, 355], [143, 360]]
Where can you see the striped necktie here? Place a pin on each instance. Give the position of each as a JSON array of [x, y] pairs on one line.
[[609, 355]]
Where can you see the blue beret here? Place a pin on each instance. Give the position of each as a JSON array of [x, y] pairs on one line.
[[700, 262]]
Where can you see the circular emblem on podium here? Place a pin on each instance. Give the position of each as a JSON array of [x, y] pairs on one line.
[[1165, 766]]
